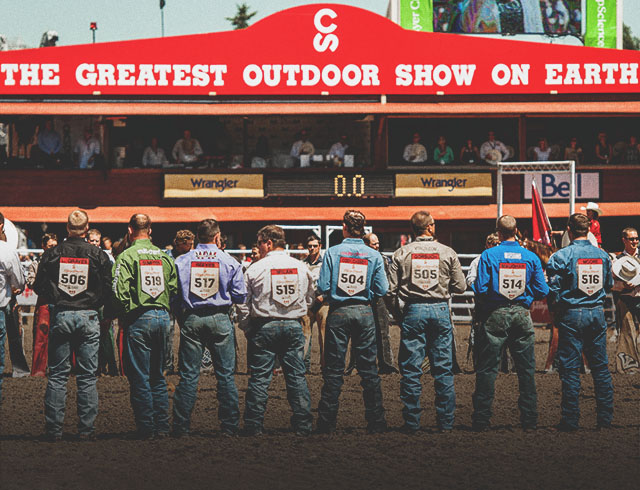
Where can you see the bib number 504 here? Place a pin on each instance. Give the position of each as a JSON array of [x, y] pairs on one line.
[[351, 278]]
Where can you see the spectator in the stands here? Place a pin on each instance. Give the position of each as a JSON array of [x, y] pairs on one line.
[[632, 154], [49, 144], [542, 151], [603, 149], [338, 150], [493, 151], [302, 145], [66, 156], [87, 150], [415, 152], [154, 155], [443, 154], [469, 154], [262, 153], [187, 150], [574, 151]]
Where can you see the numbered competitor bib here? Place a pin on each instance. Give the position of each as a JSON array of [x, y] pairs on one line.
[[425, 270], [284, 286], [513, 279], [205, 279], [590, 275], [352, 275], [73, 277], [152, 277]]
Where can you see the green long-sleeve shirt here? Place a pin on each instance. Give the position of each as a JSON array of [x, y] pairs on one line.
[[144, 277]]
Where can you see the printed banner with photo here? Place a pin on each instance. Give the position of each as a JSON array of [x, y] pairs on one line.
[[509, 16]]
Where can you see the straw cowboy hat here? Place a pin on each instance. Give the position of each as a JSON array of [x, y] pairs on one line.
[[592, 206], [627, 269]]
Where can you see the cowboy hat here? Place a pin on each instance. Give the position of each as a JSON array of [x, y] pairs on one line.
[[627, 269], [592, 206], [493, 157]]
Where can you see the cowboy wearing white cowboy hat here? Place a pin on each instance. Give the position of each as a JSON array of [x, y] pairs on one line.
[[594, 213], [626, 287]]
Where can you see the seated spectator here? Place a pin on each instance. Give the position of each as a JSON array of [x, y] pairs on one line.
[[542, 151], [338, 150], [574, 151], [493, 150], [187, 150], [443, 154], [50, 144], [154, 156], [469, 154], [86, 150], [632, 154], [302, 145], [415, 152], [603, 149], [262, 153]]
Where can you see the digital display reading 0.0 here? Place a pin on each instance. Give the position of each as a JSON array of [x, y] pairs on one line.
[[339, 186]]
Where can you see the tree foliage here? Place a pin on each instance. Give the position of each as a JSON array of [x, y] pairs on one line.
[[242, 17], [629, 41]]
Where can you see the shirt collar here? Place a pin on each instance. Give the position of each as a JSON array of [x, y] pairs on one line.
[[142, 241], [276, 252], [207, 246], [353, 240], [510, 243], [425, 239]]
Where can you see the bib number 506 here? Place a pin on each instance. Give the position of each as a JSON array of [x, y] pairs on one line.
[[72, 279]]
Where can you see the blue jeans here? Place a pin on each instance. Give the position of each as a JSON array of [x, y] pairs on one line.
[[3, 335], [355, 322], [511, 325], [282, 339], [145, 347], [79, 332], [215, 331], [426, 329], [584, 329]]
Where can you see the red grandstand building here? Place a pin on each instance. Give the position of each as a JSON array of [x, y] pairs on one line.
[[332, 71]]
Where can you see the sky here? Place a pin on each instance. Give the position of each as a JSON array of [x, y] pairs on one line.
[[136, 19]]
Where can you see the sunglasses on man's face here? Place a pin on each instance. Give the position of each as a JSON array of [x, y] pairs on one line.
[[632, 239]]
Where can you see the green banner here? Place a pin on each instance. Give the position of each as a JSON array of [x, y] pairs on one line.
[[601, 24], [417, 15]]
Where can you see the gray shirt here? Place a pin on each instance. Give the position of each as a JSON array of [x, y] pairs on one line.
[[425, 269]]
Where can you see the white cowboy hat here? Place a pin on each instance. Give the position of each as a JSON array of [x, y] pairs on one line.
[[592, 206], [627, 269], [493, 157]]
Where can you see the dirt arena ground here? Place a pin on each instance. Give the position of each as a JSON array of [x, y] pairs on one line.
[[503, 458]]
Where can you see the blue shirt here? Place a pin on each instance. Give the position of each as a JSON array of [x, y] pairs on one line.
[[584, 260], [206, 263], [49, 141], [487, 284], [352, 266]]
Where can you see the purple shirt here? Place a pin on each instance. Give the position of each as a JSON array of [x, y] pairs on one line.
[[207, 277]]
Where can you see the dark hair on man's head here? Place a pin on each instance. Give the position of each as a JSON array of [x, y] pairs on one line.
[[77, 223], [312, 238], [578, 225], [207, 230], [419, 222], [273, 233], [47, 237], [183, 236], [627, 230], [354, 220], [507, 225], [140, 222]]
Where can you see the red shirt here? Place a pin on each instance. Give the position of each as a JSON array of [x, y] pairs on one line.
[[595, 229]]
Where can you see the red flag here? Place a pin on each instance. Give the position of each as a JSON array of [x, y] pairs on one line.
[[541, 224]]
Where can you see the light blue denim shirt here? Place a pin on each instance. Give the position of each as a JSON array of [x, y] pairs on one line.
[[352, 271]]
